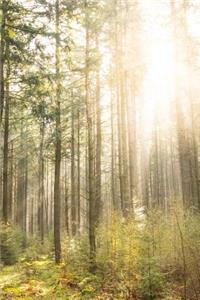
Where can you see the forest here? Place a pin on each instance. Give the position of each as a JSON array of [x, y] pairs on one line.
[[100, 149]]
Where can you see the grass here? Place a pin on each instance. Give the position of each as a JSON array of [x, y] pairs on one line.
[[41, 279]]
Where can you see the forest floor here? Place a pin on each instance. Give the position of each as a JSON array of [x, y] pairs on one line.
[[41, 279]]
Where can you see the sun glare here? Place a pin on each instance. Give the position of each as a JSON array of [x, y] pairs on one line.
[[158, 84]]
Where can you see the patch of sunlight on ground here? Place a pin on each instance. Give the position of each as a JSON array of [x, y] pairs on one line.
[[8, 275]]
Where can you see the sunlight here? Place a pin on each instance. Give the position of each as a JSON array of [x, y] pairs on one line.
[[158, 87]]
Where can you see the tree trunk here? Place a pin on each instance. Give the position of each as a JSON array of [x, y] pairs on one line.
[[91, 175], [113, 162], [10, 200], [73, 183], [57, 242], [98, 204], [2, 58], [132, 144], [66, 214], [41, 183], [20, 183], [79, 174], [5, 149]]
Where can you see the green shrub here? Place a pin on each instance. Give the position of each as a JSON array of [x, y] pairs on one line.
[[35, 248], [76, 253], [11, 242], [118, 248], [151, 282]]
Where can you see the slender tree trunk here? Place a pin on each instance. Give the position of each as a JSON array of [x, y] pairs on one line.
[[25, 193], [122, 122], [47, 198], [57, 242], [66, 200], [91, 192], [98, 203], [86, 184], [41, 183], [20, 183], [10, 201], [113, 183], [132, 144], [15, 193], [119, 133], [79, 173], [73, 183], [31, 228], [5, 149], [2, 58]]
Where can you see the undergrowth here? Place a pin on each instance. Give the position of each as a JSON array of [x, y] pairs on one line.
[[151, 259]]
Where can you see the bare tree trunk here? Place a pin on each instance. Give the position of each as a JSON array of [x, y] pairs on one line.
[[79, 174], [91, 175], [66, 199], [41, 183], [10, 201], [51, 202], [47, 198], [113, 162], [119, 133], [31, 228], [73, 183], [57, 242], [132, 144], [2, 58], [20, 183], [25, 193], [98, 204], [122, 122], [5, 149]]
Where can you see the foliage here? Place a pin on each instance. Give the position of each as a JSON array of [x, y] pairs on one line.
[[35, 249], [11, 242], [117, 255], [76, 252], [135, 260]]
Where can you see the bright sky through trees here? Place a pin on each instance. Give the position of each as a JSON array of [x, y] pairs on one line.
[[159, 86]]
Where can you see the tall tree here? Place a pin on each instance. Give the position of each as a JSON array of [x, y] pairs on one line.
[[98, 200], [6, 136], [73, 180], [57, 242], [2, 55], [90, 146]]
